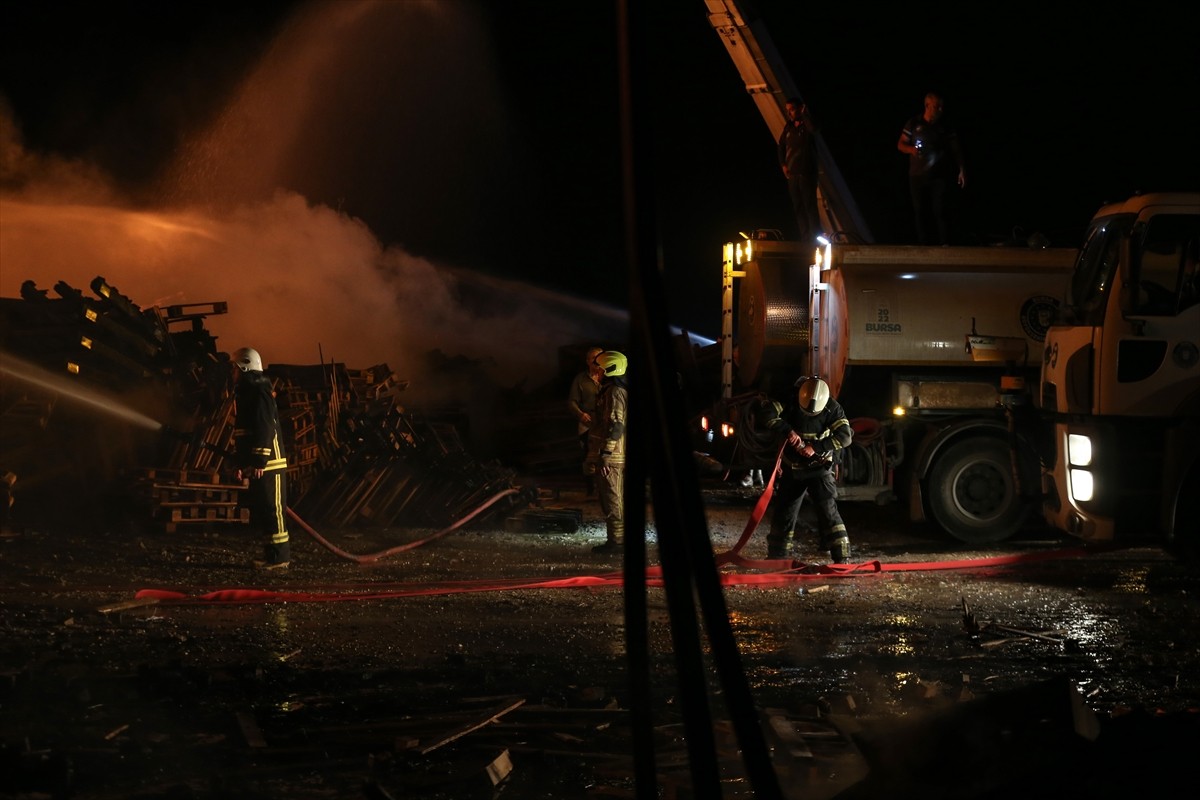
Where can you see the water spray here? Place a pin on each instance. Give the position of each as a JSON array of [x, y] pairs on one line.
[[69, 390], [34, 375]]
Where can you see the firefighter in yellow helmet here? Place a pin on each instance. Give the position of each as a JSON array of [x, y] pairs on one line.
[[816, 431], [606, 447], [260, 457]]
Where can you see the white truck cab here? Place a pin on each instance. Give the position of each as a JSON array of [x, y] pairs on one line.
[[1120, 381]]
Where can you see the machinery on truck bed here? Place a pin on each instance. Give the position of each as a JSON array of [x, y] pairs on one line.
[[770, 85]]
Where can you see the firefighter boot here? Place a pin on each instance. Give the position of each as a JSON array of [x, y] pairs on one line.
[[275, 556], [779, 545], [616, 538], [839, 550]]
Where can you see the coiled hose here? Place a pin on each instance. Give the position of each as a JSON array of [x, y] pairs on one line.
[[755, 447]]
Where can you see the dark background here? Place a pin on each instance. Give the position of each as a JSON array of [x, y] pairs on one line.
[[1058, 112]]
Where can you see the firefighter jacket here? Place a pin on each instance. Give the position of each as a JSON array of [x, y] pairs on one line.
[[829, 432], [606, 439], [259, 441]]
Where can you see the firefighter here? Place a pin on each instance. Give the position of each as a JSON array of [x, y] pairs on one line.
[[606, 447], [261, 459], [581, 400], [815, 432]]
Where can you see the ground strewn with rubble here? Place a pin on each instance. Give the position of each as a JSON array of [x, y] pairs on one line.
[[423, 675]]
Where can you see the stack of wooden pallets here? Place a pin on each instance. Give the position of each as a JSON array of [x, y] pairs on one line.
[[177, 498]]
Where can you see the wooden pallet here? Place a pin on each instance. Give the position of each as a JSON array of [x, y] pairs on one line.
[[205, 516], [176, 497], [188, 478]]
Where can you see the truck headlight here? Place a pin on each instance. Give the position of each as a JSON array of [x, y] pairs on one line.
[[1081, 485], [1079, 450]]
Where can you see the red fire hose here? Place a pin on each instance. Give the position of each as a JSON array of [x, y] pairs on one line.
[[370, 557]]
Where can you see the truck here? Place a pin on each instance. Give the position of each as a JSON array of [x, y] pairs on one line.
[[970, 372], [1120, 381], [931, 350]]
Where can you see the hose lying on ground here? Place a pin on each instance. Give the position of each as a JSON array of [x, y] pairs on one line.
[[371, 557]]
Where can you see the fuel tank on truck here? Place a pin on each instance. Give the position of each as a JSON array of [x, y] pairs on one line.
[[896, 305]]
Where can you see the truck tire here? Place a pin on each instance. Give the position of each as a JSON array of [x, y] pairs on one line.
[[1184, 541], [972, 493]]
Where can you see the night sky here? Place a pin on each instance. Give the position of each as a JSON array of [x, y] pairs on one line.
[[484, 136]]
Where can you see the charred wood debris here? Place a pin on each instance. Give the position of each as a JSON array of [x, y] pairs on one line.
[[356, 455]]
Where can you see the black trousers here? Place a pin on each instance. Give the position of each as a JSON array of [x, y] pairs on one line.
[[803, 191], [794, 486], [929, 208], [267, 500]]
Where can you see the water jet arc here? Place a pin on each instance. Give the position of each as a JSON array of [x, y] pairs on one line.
[[85, 395]]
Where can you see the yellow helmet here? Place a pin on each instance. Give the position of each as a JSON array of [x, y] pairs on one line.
[[612, 362]]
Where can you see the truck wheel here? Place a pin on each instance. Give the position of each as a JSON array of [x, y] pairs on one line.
[[972, 494], [1184, 541]]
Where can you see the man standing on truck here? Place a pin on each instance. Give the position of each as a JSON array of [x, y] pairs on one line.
[[934, 154], [798, 160], [815, 431]]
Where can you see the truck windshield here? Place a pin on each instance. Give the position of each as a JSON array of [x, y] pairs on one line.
[[1094, 269]]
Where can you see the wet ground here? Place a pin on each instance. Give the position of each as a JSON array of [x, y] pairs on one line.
[[427, 674]]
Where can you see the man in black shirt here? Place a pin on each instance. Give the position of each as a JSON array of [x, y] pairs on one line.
[[934, 160]]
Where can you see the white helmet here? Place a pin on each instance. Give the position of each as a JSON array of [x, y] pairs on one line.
[[248, 360], [813, 395]]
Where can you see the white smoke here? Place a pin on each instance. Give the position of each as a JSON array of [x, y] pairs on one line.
[[302, 281]]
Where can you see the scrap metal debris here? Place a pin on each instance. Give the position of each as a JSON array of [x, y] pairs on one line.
[[490, 717], [993, 634]]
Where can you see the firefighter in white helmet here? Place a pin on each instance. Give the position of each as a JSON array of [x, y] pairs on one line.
[[260, 457], [606, 447], [815, 431]]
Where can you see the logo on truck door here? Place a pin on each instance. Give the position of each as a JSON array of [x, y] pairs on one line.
[[884, 321], [1037, 315]]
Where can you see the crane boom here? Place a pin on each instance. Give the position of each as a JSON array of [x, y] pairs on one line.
[[770, 85]]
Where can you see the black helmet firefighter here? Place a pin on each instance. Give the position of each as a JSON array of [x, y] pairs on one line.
[[813, 431]]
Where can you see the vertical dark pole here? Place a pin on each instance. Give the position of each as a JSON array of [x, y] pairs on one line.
[[657, 438], [653, 371], [636, 634]]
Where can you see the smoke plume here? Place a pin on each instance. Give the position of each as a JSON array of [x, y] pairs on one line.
[[236, 220]]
